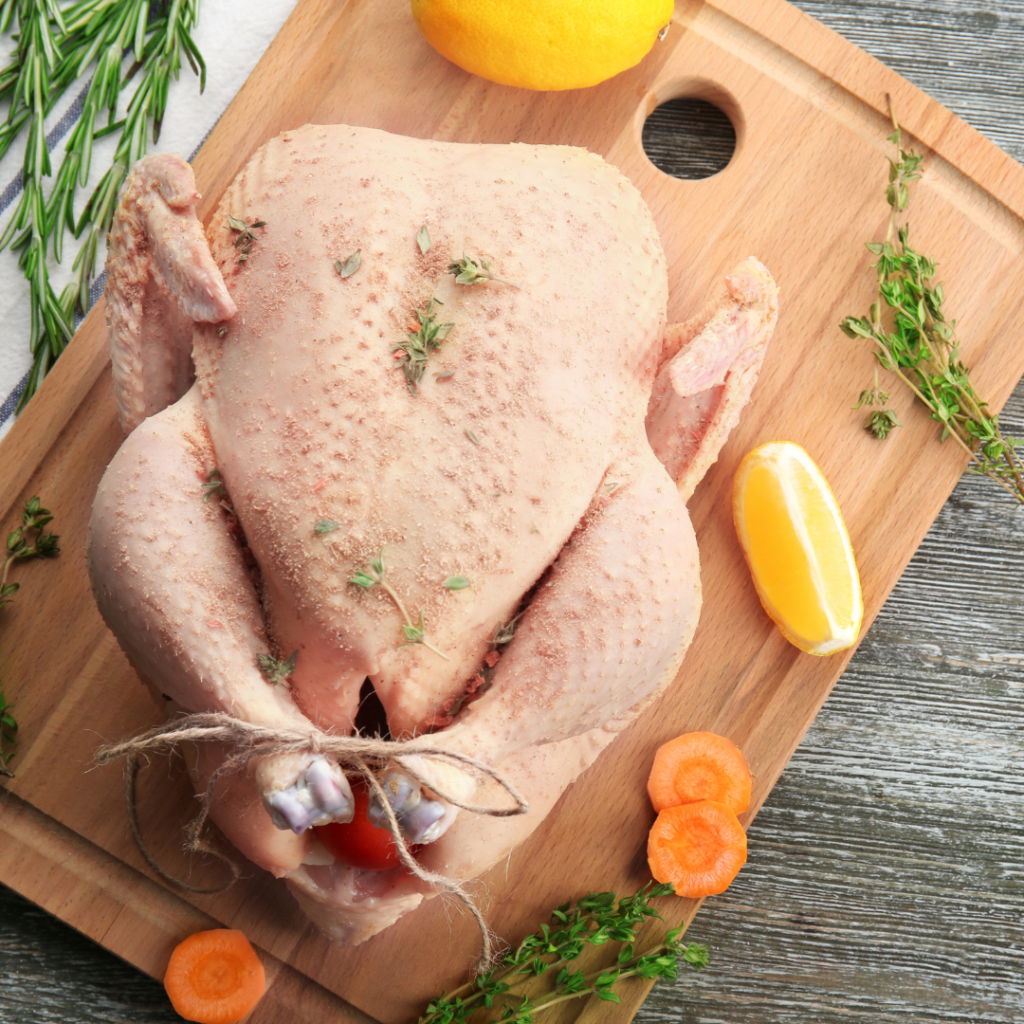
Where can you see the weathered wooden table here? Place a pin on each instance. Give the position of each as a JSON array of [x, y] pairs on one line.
[[886, 876]]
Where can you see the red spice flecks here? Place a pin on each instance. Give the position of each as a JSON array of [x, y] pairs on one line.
[[491, 658], [320, 484]]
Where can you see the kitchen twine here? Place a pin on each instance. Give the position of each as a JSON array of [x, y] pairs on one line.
[[355, 753]]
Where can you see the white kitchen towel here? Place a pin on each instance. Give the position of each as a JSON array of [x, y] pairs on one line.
[[232, 35]]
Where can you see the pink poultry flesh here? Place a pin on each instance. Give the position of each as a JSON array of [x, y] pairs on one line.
[[548, 450]]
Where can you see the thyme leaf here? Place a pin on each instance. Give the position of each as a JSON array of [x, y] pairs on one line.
[[915, 341], [594, 920], [414, 634], [472, 436], [423, 239], [880, 422], [350, 266], [418, 345], [456, 583], [363, 579], [274, 671], [326, 526], [471, 271]]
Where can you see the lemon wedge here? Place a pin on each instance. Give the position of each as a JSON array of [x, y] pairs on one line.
[[798, 549]]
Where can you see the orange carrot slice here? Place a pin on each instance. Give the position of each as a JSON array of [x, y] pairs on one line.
[[699, 848], [699, 766], [215, 977]]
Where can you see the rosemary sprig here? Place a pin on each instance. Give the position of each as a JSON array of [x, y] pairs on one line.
[[21, 544], [56, 45], [417, 347], [920, 346], [8, 735], [595, 920], [471, 271], [414, 632], [245, 236], [274, 670]]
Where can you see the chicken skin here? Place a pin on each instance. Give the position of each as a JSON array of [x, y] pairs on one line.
[[439, 442]]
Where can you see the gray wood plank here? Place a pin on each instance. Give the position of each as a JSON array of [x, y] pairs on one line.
[[886, 873]]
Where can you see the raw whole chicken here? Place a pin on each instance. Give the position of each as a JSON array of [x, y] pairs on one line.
[[435, 398]]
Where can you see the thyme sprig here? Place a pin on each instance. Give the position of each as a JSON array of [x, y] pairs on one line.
[[418, 345], [414, 632], [8, 735], [214, 486], [471, 271], [920, 346], [55, 46], [244, 234], [594, 920], [26, 541], [276, 671], [21, 544]]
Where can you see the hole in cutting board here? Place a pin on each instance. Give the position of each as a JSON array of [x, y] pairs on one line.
[[689, 138]]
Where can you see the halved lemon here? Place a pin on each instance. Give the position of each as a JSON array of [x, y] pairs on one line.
[[798, 548]]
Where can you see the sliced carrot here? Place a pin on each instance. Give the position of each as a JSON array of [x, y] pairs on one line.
[[215, 977], [699, 766], [699, 848]]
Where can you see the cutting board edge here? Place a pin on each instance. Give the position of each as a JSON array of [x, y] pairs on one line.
[[911, 128], [34, 837]]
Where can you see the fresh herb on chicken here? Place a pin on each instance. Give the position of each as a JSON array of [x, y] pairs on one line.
[[418, 345], [471, 271], [414, 632], [244, 234], [274, 670]]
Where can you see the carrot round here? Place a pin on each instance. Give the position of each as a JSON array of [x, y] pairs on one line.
[[698, 848], [699, 766], [215, 977]]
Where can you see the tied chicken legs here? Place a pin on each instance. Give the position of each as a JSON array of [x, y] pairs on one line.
[[436, 403]]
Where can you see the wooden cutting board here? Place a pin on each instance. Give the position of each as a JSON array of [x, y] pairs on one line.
[[803, 192]]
